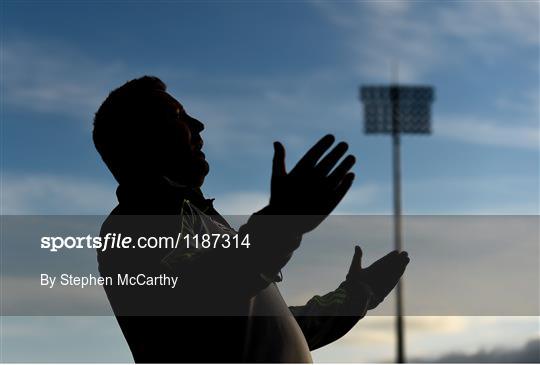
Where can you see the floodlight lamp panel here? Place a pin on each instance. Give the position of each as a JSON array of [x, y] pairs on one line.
[[404, 107]]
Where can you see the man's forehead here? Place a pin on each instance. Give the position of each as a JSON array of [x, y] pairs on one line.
[[171, 101]]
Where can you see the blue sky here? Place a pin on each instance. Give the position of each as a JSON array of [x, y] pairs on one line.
[[288, 71], [263, 71]]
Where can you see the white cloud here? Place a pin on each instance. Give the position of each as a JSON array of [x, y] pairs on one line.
[[21, 294], [425, 40], [241, 203], [248, 202], [528, 353], [57, 194], [456, 195], [51, 194], [54, 78], [417, 35], [359, 199], [521, 104], [66, 339], [488, 21], [259, 110], [380, 329], [489, 132], [51, 78], [373, 339]]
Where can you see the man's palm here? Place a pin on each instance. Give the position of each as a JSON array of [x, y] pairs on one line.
[[314, 187], [381, 276]]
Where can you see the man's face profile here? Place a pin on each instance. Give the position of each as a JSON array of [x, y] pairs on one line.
[[181, 143]]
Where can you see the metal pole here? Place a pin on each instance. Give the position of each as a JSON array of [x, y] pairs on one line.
[[396, 161]]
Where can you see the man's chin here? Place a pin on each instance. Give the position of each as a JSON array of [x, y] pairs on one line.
[[204, 167], [201, 170], [191, 175]]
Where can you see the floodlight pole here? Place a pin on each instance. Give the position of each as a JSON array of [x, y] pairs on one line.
[[395, 110], [396, 164]]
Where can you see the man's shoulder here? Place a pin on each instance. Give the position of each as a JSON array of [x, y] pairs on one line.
[[111, 220], [120, 226]]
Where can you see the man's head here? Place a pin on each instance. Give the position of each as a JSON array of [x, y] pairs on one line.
[[142, 133]]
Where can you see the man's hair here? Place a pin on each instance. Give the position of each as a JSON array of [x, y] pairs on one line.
[[125, 119]]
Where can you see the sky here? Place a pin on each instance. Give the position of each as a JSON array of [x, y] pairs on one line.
[[290, 71]]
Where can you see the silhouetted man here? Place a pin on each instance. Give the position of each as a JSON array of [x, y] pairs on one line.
[[226, 307]]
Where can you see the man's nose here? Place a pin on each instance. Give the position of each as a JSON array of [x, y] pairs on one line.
[[196, 128], [195, 125]]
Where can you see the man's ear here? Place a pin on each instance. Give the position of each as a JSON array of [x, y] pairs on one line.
[[138, 163]]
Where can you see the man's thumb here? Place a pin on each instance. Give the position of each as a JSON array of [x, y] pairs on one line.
[[278, 164], [356, 264]]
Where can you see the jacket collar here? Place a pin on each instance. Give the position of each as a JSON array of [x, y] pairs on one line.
[[162, 195]]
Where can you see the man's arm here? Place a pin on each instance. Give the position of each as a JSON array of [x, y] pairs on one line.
[[326, 319], [236, 271], [299, 201]]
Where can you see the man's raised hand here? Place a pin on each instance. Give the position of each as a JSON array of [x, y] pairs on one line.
[[381, 276], [314, 187]]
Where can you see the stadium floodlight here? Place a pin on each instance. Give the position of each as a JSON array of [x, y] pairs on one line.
[[394, 110], [404, 109]]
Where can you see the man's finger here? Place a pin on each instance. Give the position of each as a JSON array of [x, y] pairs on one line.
[[341, 190], [405, 257], [389, 259], [331, 159], [356, 263], [337, 175], [278, 163], [357, 258], [315, 152]]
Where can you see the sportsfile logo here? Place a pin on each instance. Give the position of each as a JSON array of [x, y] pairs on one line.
[[119, 240]]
